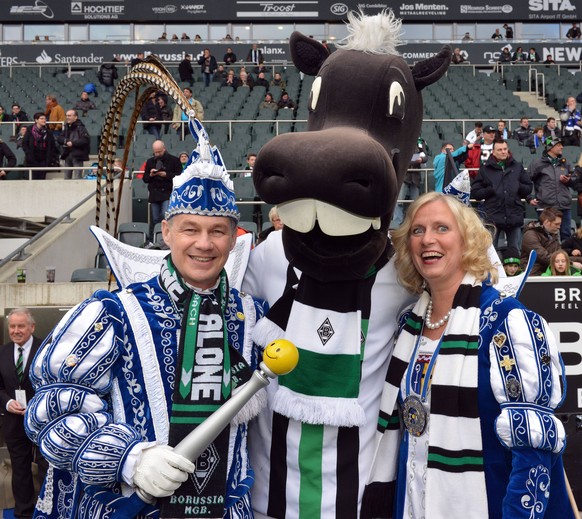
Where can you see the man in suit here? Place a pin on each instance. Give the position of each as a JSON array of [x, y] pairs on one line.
[[15, 391]]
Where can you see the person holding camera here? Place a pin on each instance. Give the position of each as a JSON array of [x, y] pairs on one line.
[[158, 174], [570, 117]]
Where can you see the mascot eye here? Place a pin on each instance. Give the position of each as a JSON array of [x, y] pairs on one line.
[[314, 95], [396, 101]]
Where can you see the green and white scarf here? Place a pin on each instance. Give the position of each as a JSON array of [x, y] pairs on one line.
[[204, 382], [328, 322], [455, 445]]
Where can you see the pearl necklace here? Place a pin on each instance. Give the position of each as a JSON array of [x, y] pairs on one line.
[[438, 324]]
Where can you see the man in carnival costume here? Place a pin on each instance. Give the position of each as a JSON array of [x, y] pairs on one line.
[[127, 374]]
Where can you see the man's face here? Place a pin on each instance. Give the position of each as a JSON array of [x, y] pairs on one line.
[[478, 130], [554, 226], [556, 150], [551, 124], [41, 121], [251, 161], [571, 103], [71, 117], [19, 328], [158, 148], [500, 151], [525, 123], [200, 246], [187, 93], [16, 110], [488, 137], [84, 96], [500, 126]]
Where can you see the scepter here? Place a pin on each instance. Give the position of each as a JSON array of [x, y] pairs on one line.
[[279, 358]]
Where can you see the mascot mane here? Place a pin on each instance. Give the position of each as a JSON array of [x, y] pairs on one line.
[[378, 34]]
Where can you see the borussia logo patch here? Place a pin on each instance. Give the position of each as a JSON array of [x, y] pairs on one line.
[[205, 466], [325, 331]]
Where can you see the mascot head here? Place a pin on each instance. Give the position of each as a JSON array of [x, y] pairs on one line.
[[336, 184]]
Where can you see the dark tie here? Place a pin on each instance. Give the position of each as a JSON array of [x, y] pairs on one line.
[[20, 364]]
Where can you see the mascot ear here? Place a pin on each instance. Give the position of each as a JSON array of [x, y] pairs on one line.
[[432, 69], [308, 54]]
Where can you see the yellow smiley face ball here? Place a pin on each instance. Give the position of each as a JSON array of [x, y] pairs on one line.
[[281, 356]]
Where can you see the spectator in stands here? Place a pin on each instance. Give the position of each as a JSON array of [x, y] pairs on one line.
[[480, 151], [475, 134], [552, 179], [180, 119], [4, 117], [571, 117], [107, 73], [158, 174], [163, 37], [7, 156], [152, 112], [549, 60], [573, 32], [551, 128], [511, 262], [501, 184], [573, 246], [410, 189], [523, 134], [457, 58], [229, 57], [75, 142], [91, 88], [84, 104], [285, 102], [262, 81], [543, 237], [519, 55], [21, 133], [175, 37], [501, 132], [228, 37], [276, 224], [39, 146], [184, 157], [185, 70], [208, 63], [231, 80], [185, 37], [255, 56], [533, 56], [560, 265], [467, 37], [219, 74], [251, 159], [278, 81], [505, 56], [537, 139], [55, 114], [167, 114], [508, 32], [497, 35], [198, 37], [245, 80], [18, 116], [138, 59], [439, 162], [268, 103]]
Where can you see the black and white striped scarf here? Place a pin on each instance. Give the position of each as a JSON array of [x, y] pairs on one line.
[[455, 444]]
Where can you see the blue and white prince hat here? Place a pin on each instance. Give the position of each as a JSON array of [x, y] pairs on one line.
[[204, 187]]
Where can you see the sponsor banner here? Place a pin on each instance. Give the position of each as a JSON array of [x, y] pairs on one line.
[[35, 11], [560, 304], [482, 54]]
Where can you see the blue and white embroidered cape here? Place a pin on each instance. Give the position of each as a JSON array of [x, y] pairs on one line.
[[104, 385]]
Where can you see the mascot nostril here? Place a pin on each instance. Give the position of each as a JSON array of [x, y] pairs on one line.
[[359, 127], [327, 276]]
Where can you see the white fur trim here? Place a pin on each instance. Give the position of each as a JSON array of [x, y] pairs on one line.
[[252, 408], [378, 34], [266, 331], [337, 412]]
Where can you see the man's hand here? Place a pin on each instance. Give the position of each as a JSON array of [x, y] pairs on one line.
[[15, 407], [533, 201], [2, 174], [564, 179], [160, 471], [576, 252]]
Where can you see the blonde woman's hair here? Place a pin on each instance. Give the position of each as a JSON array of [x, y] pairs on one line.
[[476, 238], [553, 257]]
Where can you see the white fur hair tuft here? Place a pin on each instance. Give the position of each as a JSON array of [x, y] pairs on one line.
[[377, 34]]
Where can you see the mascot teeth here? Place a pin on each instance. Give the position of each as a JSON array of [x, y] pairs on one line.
[[300, 215]]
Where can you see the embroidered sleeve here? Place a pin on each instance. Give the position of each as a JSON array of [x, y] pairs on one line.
[[69, 416], [527, 379]]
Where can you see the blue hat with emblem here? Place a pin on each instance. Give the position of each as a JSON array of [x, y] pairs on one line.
[[204, 187]]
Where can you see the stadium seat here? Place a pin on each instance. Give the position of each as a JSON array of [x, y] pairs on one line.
[[89, 275]]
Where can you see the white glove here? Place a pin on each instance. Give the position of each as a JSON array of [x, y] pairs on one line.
[[160, 471]]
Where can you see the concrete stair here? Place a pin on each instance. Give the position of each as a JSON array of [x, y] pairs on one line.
[[534, 102]]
